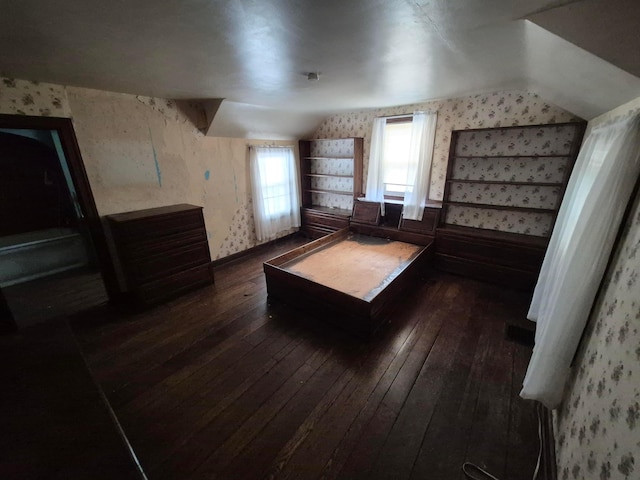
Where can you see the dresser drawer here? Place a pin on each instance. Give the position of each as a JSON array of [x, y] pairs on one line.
[[134, 249], [149, 267], [131, 231], [174, 285]]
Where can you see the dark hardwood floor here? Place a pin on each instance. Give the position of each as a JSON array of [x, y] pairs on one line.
[[60, 295], [222, 384], [55, 422]]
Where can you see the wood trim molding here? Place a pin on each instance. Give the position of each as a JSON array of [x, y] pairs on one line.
[[7, 323], [71, 149], [250, 251], [547, 469]]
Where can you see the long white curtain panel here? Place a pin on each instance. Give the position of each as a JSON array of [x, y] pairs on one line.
[[588, 220], [375, 175], [275, 187], [423, 133]]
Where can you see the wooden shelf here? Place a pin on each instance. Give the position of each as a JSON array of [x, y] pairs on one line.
[[326, 175], [328, 158], [335, 192], [513, 156], [501, 207], [503, 237], [331, 210], [504, 182]]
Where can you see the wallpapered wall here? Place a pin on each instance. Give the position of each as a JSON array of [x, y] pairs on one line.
[[141, 152], [598, 425], [476, 111]]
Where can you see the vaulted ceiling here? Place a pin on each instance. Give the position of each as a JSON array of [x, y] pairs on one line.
[[256, 54]]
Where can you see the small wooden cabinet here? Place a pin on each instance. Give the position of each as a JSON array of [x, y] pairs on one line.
[[162, 252], [508, 259], [320, 221], [428, 224], [331, 178]]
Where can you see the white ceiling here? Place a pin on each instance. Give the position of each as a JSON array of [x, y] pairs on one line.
[[256, 54]]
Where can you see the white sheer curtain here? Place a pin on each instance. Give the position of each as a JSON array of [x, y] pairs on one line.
[[375, 178], [598, 191], [275, 186], [423, 133]]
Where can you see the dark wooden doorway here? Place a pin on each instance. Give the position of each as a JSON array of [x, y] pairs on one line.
[[89, 218]]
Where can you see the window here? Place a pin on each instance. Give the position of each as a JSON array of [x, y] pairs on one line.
[[274, 181], [395, 158], [400, 161]]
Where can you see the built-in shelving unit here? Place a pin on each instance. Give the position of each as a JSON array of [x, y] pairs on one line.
[[331, 178], [503, 189], [509, 179]]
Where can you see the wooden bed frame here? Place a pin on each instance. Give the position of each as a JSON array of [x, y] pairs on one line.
[[361, 314]]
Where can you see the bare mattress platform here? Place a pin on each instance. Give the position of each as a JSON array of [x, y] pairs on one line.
[[352, 278]]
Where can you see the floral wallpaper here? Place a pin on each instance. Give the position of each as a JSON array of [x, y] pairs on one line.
[[526, 223], [241, 235], [511, 169], [179, 111], [534, 196], [333, 158], [535, 155], [496, 109], [21, 97], [597, 428], [545, 140], [342, 148]]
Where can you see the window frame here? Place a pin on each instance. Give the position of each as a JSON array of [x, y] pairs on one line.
[[284, 185]]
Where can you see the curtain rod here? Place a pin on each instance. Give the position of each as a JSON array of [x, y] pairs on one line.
[[268, 146], [404, 115]]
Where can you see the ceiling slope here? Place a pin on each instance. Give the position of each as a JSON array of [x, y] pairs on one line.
[[256, 54], [605, 28]]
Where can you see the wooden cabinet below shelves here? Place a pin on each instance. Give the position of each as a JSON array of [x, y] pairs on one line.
[[162, 252], [320, 221], [508, 259], [428, 224]]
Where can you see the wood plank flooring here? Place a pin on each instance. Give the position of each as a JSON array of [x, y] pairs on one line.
[[55, 422], [222, 384], [57, 296]]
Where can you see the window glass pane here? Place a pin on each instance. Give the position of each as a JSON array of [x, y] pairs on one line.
[[396, 157], [276, 181]]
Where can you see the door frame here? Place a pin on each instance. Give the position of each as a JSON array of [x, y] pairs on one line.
[[71, 149]]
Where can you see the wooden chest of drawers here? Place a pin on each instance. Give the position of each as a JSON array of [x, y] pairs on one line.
[[162, 252]]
